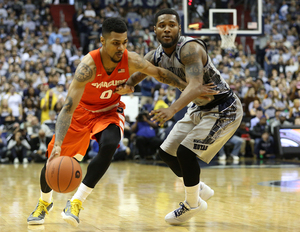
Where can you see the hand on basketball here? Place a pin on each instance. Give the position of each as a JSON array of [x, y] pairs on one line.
[[162, 115], [208, 89], [124, 89], [55, 153]]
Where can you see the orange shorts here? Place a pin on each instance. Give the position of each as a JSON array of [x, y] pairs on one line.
[[84, 126]]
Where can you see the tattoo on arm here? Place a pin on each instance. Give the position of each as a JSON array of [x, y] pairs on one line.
[[167, 77], [140, 63], [193, 62], [194, 70], [63, 121], [84, 72], [136, 78]]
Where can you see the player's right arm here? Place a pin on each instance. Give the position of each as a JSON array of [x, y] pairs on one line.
[[164, 76], [85, 73], [137, 77]]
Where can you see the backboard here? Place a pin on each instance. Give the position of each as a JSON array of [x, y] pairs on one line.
[[201, 20]]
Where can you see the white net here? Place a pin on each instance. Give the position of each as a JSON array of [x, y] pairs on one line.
[[228, 35]]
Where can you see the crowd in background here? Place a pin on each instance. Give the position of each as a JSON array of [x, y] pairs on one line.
[[38, 61]]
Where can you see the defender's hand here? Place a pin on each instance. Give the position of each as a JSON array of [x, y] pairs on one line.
[[206, 90], [162, 115]]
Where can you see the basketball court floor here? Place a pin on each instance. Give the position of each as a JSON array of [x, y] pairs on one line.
[[133, 196]]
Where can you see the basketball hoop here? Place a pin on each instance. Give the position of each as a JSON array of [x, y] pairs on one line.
[[228, 35]]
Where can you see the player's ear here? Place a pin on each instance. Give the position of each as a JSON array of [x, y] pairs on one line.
[[179, 27], [102, 40], [155, 29]]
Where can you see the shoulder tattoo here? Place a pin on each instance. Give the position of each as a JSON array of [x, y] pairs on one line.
[[84, 72]]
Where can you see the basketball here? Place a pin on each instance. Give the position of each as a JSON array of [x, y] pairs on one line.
[[63, 174]]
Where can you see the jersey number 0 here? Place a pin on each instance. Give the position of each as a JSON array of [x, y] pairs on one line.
[[106, 94]]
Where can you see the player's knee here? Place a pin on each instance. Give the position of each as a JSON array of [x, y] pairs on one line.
[[109, 146], [164, 155], [185, 153]]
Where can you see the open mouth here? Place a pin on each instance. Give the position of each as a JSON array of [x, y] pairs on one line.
[[167, 37]]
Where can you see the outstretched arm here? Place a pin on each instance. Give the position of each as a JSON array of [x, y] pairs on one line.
[[85, 73], [137, 77], [140, 68], [139, 64]]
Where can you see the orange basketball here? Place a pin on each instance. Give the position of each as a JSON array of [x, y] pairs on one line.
[[63, 174]]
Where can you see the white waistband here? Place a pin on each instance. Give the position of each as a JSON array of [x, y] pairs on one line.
[[102, 110]]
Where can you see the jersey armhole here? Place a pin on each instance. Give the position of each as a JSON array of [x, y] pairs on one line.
[[95, 54]]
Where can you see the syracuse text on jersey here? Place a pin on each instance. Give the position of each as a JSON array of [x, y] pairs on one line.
[[105, 84]]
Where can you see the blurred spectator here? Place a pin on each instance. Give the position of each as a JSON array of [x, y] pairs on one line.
[[265, 147], [146, 140], [268, 58], [5, 112], [281, 121], [15, 103], [39, 147], [160, 103], [253, 67], [94, 35], [18, 147], [249, 97], [57, 107], [3, 11], [96, 5], [51, 121], [123, 151], [57, 49], [147, 89], [94, 149], [259, 129], [170, 96], [32, 94], [29, 109], [248, 143], [3, 147], [256, 119], [89, 12], [54, 36], [47, 104], [29, 8], [297, 121], [253, 106], [31, 25], [60, 92], [33, 126], [65, 31], [295, 110], [237, 143]]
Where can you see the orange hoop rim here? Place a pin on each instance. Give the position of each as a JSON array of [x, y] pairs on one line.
[[224, 29]]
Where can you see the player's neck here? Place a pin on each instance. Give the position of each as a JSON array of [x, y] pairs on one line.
[[107, 63], [170, 50]]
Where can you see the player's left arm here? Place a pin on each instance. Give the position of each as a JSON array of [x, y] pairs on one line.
[[139, 64], [193, 56]]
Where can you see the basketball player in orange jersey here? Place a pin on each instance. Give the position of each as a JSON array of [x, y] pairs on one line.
[[93, 111]]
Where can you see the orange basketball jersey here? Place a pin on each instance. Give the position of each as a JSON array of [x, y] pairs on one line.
[[99, 94]]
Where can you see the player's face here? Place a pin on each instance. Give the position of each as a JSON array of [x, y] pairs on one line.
[[167, 30], [115, 45]]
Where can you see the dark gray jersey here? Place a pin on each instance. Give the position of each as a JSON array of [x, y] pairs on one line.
[[211, 74]]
